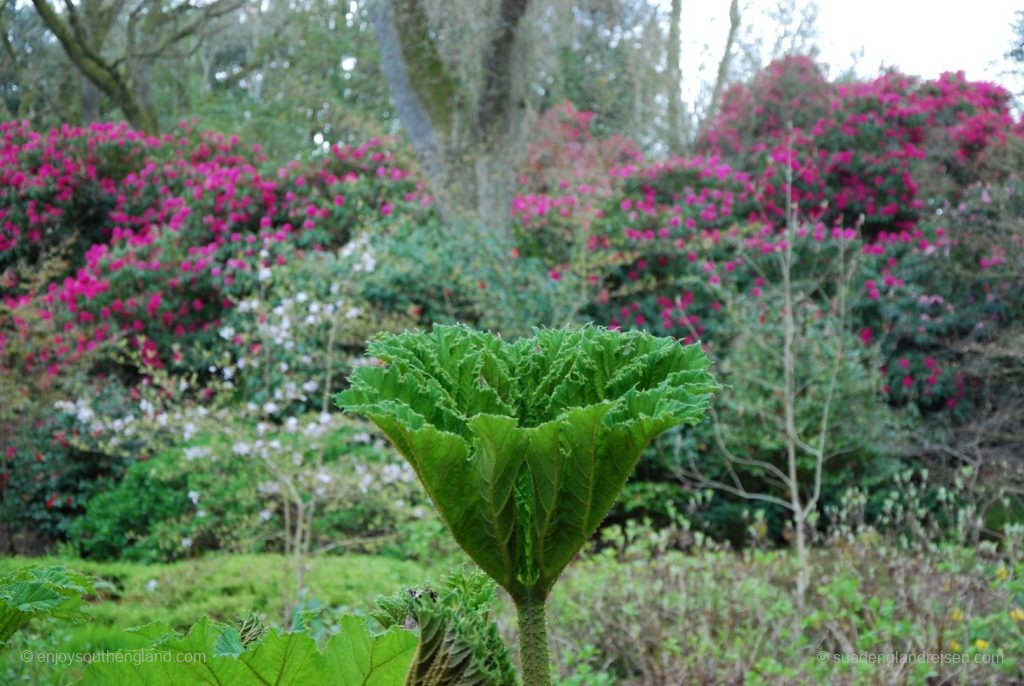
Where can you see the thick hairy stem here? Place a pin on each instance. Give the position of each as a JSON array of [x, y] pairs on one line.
[[533, 642]]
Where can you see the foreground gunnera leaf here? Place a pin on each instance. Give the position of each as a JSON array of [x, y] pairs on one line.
[[33, 591], [459, 642], [352, 657], [523, 446]]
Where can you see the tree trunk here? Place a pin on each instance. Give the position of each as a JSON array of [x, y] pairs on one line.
[[723, 64], [90, 101], [675, 81], [93, 67], [469, 142]]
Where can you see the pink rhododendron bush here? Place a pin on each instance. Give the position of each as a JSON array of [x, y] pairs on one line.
[[911, 175], [161, 234], [115, 244], [905, 193]]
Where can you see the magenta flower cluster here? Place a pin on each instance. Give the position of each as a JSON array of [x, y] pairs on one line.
[[164, 231]]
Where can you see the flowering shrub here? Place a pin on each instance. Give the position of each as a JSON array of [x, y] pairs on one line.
[[861, 163], [917, 177], [153, 242], [165, 232], [214, 493], [259, 462], [861, 152]]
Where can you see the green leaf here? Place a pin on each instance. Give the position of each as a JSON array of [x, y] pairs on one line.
[[459, 642], [33, 591], [213, 654], [524, 446], [229, 643], [354, 656]]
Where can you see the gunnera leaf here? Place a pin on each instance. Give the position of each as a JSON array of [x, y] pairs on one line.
[[33, 591], [524, 446], [459, 643], [214, 654]]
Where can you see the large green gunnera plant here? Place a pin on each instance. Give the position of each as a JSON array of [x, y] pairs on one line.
[[34, 592], [524, 446]]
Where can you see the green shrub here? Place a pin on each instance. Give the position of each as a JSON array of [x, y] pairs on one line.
[[651, 615], [217, 494]]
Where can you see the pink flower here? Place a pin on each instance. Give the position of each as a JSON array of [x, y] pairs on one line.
[[154, 304]]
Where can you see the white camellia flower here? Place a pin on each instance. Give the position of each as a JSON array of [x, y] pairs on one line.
[[194, 453]]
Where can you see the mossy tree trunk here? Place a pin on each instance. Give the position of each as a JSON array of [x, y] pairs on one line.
[[468, 134]]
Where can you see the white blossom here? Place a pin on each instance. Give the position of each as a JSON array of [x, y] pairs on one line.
[[195, 452]]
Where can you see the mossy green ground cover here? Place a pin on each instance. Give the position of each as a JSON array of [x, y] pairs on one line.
[[225, 588]]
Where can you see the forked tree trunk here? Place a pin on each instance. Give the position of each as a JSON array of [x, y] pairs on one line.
[[469, 142]]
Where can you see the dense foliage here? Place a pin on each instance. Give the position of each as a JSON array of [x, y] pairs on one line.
[[176, 314], [125, 255], [907, 180]]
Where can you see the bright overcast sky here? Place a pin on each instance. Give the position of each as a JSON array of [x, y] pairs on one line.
[[921, 37]]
